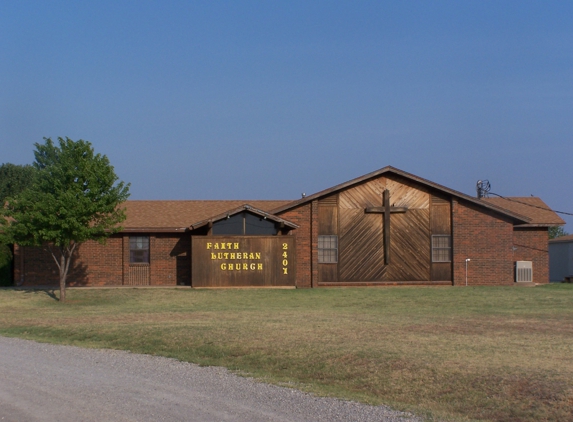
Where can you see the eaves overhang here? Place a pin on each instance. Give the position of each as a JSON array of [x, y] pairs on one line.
[[517, 218], [153, 230], [246, 207]]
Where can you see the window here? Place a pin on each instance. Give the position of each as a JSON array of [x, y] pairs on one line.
[[232, 225], [255, 225], [328, 249], [245, 223], [441, 248], [139, 249]]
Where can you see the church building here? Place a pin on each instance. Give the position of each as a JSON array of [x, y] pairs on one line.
[[388, 227]]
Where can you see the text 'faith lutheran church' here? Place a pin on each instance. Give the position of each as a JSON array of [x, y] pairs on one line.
[[388, 227]]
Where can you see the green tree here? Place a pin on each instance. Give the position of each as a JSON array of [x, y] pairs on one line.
[[5, 265], [557, 231], [75, 197], [13, 180]]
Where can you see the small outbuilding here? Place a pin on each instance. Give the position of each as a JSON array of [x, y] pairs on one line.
[[388, 227], [561, 259]]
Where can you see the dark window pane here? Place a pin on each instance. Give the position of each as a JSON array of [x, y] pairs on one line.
[[441, 248], [327, 249], [245, 223], [229, 226], [257, 225], [139, 249]]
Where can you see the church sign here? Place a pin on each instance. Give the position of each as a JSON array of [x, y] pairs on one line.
[[234, 261]]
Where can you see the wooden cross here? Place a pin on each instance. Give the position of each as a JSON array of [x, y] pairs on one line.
[[386, 210]]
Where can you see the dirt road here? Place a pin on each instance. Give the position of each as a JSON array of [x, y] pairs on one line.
[[43, 382]]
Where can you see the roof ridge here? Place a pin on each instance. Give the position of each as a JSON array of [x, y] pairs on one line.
[[210, 200], [410, 176]]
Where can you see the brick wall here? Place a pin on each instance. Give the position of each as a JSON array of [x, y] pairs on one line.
[[34, 267], [100, 263], [487, 239], [532, 244], [483, 236], [170, 260], [93, 264], [306, 237]]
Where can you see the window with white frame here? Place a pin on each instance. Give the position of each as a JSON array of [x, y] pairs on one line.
[[441, 248], [139, 249], [327, 249]]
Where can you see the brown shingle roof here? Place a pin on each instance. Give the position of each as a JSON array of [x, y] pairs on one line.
[[178, 215], [531, 207]]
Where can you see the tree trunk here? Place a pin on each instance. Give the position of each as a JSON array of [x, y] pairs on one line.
[[63, 275], [63, 265]]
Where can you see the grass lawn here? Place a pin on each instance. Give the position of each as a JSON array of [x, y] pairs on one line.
[[500, 353]]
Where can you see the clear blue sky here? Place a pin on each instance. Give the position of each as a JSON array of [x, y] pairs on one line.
[[265, 100]]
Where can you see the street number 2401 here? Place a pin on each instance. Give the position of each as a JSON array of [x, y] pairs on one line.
[[285, 256]]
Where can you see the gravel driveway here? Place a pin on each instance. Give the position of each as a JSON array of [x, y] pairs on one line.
[[44, 382]]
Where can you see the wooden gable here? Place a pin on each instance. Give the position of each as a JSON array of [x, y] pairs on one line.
[[351, 214]]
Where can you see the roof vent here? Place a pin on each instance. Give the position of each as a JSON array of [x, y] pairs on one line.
[[523, 271]]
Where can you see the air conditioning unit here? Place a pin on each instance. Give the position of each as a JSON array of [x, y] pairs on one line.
[[523, 271]]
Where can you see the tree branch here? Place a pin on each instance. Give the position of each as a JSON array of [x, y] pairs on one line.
[[54, 256], [70, 251]]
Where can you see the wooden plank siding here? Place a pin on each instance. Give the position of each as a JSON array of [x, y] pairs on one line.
[[240, 261], [441, 223], [410, 232], [361, 241], [410, 240], [361, 235]]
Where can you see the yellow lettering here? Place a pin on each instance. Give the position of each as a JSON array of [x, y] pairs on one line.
[[209, 245], [230, 267], [285, 254], [237, 267], [245, 266], [220, 255], [257, 255], [232, 255], [259, 267], [222, 246], [252, 267], [213, 256], [285, 246], [216, 246], [226, 255], [251, 256], [285, 270], [239, 255], [223, 266], [229, 245], [285, 262], [235, 246]]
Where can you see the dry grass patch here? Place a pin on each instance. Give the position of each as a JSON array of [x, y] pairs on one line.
[[503, 354]]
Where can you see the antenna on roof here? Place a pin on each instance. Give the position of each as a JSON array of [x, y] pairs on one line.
[[483, 187]]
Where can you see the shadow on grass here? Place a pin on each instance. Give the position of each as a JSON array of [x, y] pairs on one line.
[[49, 292]]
